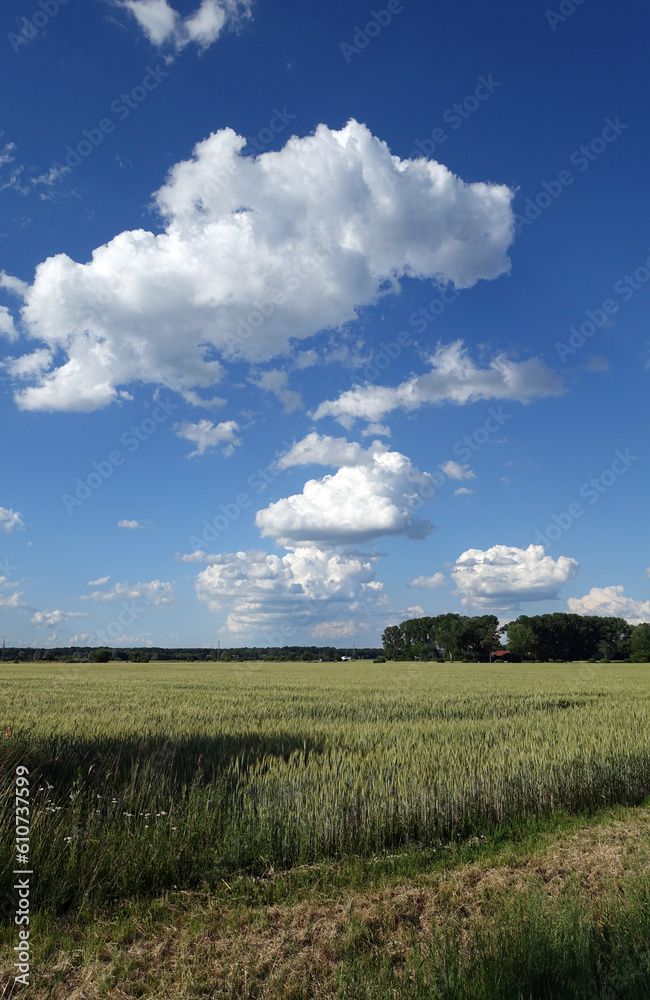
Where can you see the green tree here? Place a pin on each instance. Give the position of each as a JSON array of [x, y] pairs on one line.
[[639, 644], [394, 644], [522, 638]]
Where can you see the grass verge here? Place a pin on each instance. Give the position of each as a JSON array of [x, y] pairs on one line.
[[561, 911]]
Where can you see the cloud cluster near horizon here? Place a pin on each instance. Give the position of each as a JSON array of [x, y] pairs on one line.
[[503, 576], [610, 602], [328, 531]]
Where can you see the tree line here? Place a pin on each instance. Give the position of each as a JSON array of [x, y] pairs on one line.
[[145, 654], [558, 636]]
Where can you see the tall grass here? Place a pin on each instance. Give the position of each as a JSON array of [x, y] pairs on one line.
[[152, 776]]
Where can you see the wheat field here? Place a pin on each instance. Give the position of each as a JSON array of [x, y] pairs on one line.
[[148, 777]]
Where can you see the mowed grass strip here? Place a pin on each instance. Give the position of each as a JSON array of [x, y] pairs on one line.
[[567, 919]]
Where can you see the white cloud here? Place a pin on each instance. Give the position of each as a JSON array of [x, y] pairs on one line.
[[258, 254], [7, 153], [156, 592], [50, 618], [502, 576], [131, 525], [156, 18], [100, 582], [357, 504], [413, 612], [13, 601], [429, 582], [265, 591], [7, 327], [29, 365], [380, 429], [454, 378], [321, 449], [610, 602], [338, 629], [206, 435], [162, 24], [276, 382], [14, 285], [454, 470], [207, 404], [192, 557], [373, 493], [463, 491], [10, 520], [598, 363]]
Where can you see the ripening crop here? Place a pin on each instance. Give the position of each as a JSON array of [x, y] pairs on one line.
[[144, 777]]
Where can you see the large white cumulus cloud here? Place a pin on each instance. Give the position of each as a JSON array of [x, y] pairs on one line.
[[502, 576], [357, 504], [610, 602], [263, 591], [373, 493], [256, 252]]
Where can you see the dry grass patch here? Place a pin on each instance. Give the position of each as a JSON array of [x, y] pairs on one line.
[[191, 946]]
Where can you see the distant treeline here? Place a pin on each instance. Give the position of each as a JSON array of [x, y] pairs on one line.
[[139, 654], [558, 636]]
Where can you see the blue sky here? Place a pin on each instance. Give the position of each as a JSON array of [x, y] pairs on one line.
[[314, 320]]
